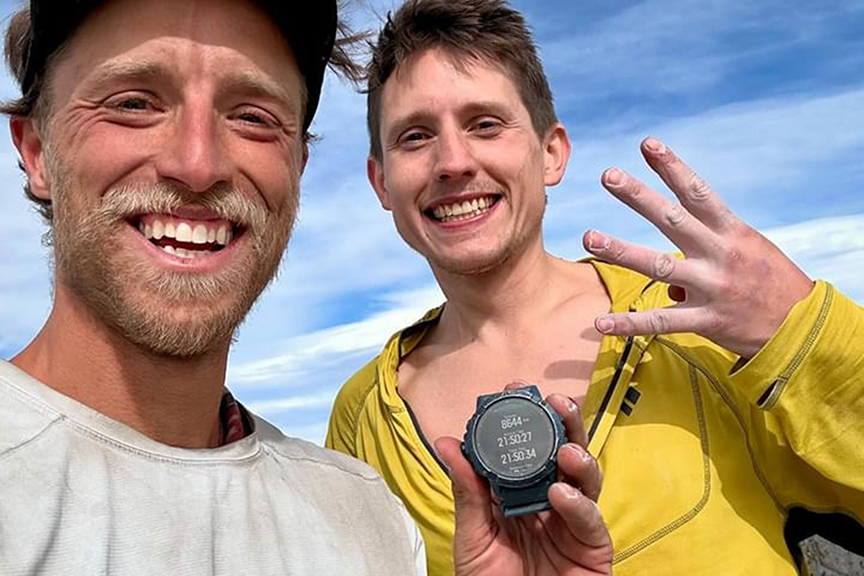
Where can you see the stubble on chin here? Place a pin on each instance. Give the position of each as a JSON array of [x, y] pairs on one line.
[[164, 312]]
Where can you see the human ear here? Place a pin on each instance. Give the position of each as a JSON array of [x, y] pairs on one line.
[[556, 154], [28, 141], [375, 173]]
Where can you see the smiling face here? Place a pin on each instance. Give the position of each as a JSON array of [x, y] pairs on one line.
[[172, 158], [462, 169]]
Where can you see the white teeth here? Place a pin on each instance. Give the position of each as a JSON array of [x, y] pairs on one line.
[[184, 232], [158, 229], [199, 234], [180, 252], [462, 210]]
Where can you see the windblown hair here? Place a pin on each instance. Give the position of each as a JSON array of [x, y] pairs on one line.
[[484, 30], [36, 102]]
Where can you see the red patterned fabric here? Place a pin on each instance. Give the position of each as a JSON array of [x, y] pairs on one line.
[[233, 425]]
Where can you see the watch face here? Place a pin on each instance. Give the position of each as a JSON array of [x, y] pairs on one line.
[[514, 438]]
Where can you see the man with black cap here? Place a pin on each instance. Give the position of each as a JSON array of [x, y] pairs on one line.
[[163, 143]]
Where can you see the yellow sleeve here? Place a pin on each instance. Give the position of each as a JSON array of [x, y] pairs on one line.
[[342, 429], [808, 381]]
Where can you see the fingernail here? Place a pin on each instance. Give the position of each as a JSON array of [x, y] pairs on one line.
[[568, 491], [597, 241], [613, 177], [654, 146], [604, 325]]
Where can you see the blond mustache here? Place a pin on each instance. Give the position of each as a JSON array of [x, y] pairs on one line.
[[224, 201]]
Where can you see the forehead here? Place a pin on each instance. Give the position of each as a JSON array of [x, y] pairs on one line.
[[435, 79], [193, 33]]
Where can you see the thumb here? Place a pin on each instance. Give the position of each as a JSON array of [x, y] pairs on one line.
[[475, 523]]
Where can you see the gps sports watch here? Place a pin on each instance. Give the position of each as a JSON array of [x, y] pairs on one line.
[[512, 440]]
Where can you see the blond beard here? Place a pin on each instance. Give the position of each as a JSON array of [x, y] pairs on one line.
[[164, 312]]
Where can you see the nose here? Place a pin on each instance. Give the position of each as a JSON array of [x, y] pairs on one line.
[[196, 155], [455, 158]]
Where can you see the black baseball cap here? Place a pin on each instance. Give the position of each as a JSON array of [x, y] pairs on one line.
[[308, 25]]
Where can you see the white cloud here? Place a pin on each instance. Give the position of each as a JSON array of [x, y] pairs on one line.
[[831, 248], [304, 354]]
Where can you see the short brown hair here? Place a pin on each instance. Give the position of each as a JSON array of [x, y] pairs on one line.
[[486, 30], [35, 102]]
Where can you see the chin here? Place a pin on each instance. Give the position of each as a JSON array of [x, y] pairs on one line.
[[471, 265], [195, 335]]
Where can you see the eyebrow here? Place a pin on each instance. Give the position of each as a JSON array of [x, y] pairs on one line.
[[246, 81], [126, 70], [262, 86]]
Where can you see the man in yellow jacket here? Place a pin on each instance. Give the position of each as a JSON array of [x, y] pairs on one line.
[[718, 390]]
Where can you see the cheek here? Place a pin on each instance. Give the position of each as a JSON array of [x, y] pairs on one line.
[[405, 185], [104, 154], [276, 177]]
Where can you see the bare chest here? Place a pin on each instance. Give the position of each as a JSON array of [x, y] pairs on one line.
[[442, 390]]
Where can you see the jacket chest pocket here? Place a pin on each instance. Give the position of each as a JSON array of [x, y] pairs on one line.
[[656, 460]]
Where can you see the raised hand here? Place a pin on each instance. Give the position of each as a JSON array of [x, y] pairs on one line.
[[735, 287], [569, 540]]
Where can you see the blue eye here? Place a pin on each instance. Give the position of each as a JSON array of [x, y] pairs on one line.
[[133, 104], [256, 117], [253, 118]]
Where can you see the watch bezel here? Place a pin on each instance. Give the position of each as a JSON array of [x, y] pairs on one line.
[[530, 394]]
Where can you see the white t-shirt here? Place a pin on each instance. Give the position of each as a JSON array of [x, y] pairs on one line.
[[83, 494]]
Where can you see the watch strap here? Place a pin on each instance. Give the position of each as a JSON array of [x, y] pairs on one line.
[[525, 500]]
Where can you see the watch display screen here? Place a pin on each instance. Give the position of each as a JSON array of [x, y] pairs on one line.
[[514, 438]]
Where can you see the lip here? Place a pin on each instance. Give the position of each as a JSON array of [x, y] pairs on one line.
[[209, 263], [454, 225]]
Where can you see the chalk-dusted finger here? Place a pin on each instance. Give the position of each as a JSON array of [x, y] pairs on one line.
[[668, 216], [581, 515], [672, 320], [657, 265], [571, 414], [581, 469], [691, 189]]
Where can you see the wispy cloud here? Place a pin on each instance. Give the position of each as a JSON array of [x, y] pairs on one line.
[[830, 248], [765, 99]]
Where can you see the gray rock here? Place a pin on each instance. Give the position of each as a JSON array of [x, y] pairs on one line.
[[824, 558]]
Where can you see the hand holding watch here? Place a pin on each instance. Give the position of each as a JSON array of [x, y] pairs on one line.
[[546, 482]]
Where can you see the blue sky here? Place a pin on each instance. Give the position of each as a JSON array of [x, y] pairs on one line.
[[765, 99]]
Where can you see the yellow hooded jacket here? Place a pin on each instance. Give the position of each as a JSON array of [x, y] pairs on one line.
[[701, 458]]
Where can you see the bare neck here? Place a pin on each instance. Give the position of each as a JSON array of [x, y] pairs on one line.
[[511, 298], [174, 401]]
